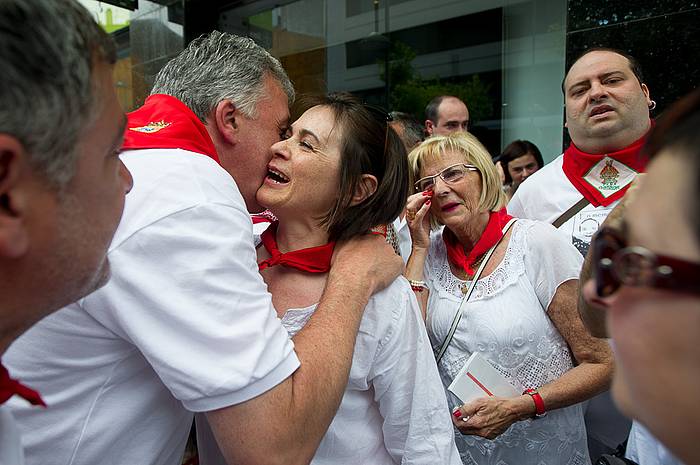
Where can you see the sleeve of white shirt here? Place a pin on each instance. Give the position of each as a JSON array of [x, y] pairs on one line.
[[550, 260], [187, 293], [417, 426], [515, 206]]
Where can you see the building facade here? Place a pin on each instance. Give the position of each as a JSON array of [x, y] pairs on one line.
[[506, 59]]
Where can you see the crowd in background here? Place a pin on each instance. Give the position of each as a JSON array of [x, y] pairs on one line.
[[305, 289]]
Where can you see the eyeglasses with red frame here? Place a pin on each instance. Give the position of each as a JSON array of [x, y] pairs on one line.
[[618, 264]]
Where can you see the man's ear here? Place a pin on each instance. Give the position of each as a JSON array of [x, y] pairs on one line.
[[429, 127], [14, 202], [366, 187], [226, 116], [645, 89]]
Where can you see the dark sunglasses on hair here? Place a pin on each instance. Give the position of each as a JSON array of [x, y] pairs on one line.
[[381, 115], [378, 112], [617, 264]]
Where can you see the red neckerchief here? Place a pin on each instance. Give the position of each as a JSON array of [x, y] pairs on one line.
[[490, 237], [577, 164], [263, 217], [9, 387], [313, 259], [164, 122]]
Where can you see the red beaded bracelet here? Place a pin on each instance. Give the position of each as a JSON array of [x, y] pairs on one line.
[[540, 411]]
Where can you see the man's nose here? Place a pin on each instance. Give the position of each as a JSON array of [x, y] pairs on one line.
[[126, 177], [597, 91]]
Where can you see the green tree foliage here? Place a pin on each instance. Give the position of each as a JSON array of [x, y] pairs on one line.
[[411, 92]]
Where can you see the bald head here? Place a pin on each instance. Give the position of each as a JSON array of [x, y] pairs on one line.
[[446, 114]]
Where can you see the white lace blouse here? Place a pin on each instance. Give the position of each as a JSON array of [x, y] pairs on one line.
[[394, 409], [506, 321]]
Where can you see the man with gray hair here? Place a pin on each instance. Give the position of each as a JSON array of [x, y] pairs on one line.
[[186, 324], [62, 184], [408, 128]]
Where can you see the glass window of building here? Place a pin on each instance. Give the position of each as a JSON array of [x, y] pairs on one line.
[[504, 59]]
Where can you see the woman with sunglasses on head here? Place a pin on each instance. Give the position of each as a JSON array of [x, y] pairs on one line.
[[520, 314], [647, 278], [340, 172]]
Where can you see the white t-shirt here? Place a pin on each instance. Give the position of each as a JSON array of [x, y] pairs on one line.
[[547, 194], [10, 442], [506, 321], [394, 409], [645, 449], [403, 236], [184, 325]]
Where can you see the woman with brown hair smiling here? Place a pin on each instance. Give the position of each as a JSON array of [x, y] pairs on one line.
[[341, 172]]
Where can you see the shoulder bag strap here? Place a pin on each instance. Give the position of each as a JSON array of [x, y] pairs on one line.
[[458, 314], [566, 216]]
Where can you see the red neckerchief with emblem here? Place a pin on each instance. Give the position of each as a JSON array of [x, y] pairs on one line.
[[586, 171], [490, 237], [312, 260], [164, 122], [9, 387]]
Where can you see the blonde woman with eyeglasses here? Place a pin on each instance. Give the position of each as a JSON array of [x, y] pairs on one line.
[[520, 316]]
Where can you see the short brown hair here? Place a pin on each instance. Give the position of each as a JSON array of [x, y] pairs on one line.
[[517, 149], [368, 146]]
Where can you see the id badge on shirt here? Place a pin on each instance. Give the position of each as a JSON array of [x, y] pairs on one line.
[[586, 223]]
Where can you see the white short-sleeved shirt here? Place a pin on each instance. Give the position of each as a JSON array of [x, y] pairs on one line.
[[645, 449], [394, 409], [403, 236], [506, 321], [10, 441], [184, 325], [547, 194]]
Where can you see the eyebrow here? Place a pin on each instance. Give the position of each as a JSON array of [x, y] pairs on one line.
[[601, 77], [306, 132]]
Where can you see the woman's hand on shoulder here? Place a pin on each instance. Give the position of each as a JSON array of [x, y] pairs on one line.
[[489, 417], [418, 218]]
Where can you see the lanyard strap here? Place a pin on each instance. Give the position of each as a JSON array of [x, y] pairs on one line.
[[566, 216], [458, 314]]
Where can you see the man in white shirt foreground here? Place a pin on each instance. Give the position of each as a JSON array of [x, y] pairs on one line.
[[62, 184], [186, 323]]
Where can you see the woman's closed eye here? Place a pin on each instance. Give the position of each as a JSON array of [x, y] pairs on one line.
[[307, 145]]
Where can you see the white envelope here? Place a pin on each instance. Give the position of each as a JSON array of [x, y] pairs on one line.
[[478, 378]]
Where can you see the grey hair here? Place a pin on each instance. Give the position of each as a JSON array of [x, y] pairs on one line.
[[412, 128], [220, 66], [47, 52]]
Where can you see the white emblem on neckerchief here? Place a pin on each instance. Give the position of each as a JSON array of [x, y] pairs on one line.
[[609, 176], [153, 126]]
